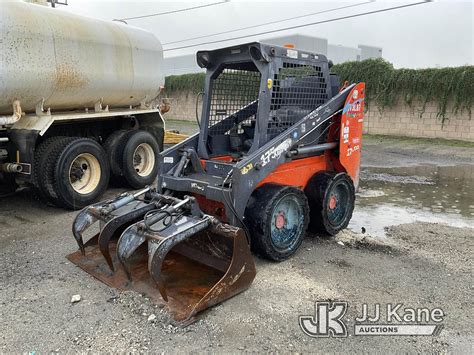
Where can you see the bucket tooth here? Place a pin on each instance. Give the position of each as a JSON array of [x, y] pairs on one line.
[[116, 225], [128, 243]]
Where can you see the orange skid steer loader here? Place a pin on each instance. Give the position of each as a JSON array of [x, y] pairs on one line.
[[278, 152]]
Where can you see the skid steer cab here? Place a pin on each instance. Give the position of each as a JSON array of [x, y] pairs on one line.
[[278, 153]]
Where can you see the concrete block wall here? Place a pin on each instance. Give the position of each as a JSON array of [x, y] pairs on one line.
[[400, 120], [403, 120], [183, 107]]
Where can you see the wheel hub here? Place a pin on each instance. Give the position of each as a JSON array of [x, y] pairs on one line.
[[338, 204], [77, 172], [144, 159], [84, 173], [286, 222], [280, 220]]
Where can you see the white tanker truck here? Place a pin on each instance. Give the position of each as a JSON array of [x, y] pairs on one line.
[[78, 103]]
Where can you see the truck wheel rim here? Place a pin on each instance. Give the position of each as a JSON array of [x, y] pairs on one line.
[[337, 206], [144, 159], [84, 173], [287, 221]]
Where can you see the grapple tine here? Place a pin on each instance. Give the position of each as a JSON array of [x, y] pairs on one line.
[[113, 226], [104, 238], [156, 272], [83, 221], [128, 243], [159, 247]]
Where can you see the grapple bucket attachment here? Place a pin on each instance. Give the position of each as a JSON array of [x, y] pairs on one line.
[[188, 265]]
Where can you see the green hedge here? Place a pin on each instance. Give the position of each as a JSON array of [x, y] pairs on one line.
[[189, 83], [384, 85]]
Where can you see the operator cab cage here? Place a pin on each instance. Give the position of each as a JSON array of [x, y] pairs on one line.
[[254, 92]]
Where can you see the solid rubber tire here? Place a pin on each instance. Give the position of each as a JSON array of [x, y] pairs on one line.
[[318, 191], [258, 218]]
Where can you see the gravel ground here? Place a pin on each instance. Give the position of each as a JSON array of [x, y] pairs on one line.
[[417, 264]]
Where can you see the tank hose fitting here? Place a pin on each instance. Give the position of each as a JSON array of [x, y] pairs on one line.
[[11, 168]]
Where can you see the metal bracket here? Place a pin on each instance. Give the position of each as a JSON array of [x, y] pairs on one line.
[[165, 105], [40, 109], [98, 106], [143, 104]]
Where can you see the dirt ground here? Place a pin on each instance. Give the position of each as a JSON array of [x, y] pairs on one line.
[[418, 264]]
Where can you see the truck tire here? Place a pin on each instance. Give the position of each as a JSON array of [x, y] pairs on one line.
[[81, 172], [43, 169], [38, 170], [139, 152], [331, 200], [111, 147], [277, 218]]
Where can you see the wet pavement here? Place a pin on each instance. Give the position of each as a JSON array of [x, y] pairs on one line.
[[407, 188], [423, 193]]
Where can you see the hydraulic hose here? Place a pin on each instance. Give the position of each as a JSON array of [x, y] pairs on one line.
[[197, 110]]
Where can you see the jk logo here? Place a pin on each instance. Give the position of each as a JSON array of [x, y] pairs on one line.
[[327, 320]]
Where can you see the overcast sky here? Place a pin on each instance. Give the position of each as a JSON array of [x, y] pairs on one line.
[[439, 33]]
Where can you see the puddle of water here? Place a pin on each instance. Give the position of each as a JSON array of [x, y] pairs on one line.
[[424, 193]]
